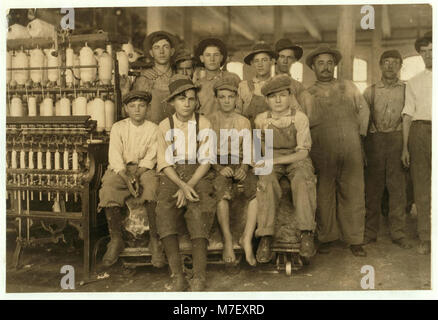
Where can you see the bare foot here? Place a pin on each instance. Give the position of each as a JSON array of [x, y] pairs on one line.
[[245, 243], [228, 253]]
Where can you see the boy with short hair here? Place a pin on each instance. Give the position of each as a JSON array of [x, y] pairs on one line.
[[291, 146], [185, 184], [229, 174], [132, 158]]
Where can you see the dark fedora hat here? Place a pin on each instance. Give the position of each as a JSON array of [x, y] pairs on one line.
[[325, 48], [212, 42], [259, 48], [137, 94], [285, 43], [150, 40], [423, 41], [178, 84]]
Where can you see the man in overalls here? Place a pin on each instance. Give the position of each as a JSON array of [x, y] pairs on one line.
[[287, 54], [383, 146], [417, 139], [212, 54], [291, 146], [160, 46], [251, 101], [338, 116]]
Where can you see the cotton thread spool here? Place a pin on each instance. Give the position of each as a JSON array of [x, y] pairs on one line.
[[48, 160], [75, 161], [86, 58], [109, 115], [122, 58], [16, 109], [57, 160], [52, 61], [69, 62], [64, 107], [31, 164], [105, 68], [36, 61], [47, 107], [22, 159], [39, 160], [32, 107], [66, 155], [98, 113], [14, 159], [80, 106], [20, 60]]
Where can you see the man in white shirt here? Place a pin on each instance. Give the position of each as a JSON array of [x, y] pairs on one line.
[[417, 139], [132, 158]]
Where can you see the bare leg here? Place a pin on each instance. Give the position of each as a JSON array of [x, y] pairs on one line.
[[246, 239], [223, 217]]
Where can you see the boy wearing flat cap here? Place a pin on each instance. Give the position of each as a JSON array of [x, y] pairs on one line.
[[232, 173], [291, 146], [212, 54], [338, 116], [383, 147], [160, 46], [417, 140], [132, 158], [251, 101], [186, 185], [183, 62]]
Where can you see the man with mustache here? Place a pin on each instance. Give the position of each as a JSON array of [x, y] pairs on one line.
[[417, 139], [383, 147], [338, 116]]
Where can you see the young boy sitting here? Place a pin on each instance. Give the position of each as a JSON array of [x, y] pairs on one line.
[[186, 186], [291, 146], [132, 158], [233, 172]]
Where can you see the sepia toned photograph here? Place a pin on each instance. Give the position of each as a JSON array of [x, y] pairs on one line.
[[241, 148]]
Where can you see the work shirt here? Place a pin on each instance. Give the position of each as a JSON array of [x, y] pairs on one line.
[[386, 106], [161, 82], [130, 143], [418, 103], [233, 121], [299, 120], [179, 144], [245, 94], [207, 99]]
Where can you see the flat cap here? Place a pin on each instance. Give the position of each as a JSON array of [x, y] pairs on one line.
[[212, 42], [178, 84], [391, 54], [275, 84], [137, 94], [228, 82], [325, 48], [285, 43], [423, 41], [259, 48], [182, 54]]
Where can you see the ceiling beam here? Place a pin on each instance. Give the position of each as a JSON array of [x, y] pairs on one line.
[[386, 22], [236, 24], [304, 15]]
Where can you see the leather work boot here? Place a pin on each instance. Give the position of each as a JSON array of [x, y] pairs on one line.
[[264, 253], [358, 250], [116, 245], [198, 284], [307, 248], [158, 258]]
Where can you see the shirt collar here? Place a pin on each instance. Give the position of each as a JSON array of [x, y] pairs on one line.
[[256, 80], [181, 124], [380, 84]]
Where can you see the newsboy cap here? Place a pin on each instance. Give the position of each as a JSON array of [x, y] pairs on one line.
[[391, 54], [275, 84], [178, 84], [137, 94], [325, 48], [182, 54], [259, 48], [285, 43], [228, 82]]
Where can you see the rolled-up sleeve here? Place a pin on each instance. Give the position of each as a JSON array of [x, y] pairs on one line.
[[304, 140], [150, 158], [410, 104], [115, 152]]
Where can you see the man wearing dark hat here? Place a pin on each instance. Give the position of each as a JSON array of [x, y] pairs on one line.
[[186, 185], [383, 146], [417, 136], [160, 46], [287, 54], [212, 54], [183, 62], [291, 146], [338, 116], [132, 157], [251, 101]]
